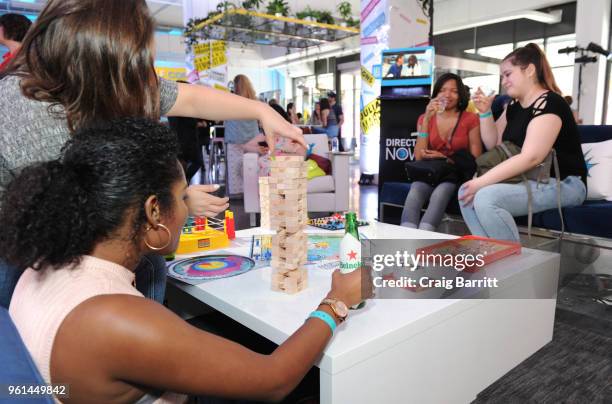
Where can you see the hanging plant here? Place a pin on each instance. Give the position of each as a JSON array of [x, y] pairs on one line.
[[306, 13], [351, 22], [191, 36], [278, 7], [225, 6], [252, 4], [346, 10], [325, 17]]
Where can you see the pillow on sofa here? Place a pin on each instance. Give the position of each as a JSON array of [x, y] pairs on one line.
[[598, 157], [322, 162], [314, 170]]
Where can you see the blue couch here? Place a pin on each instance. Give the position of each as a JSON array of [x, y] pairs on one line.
[[593, 218], [17, 367]]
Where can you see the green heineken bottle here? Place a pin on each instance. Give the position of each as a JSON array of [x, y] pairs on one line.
[[350, 248]]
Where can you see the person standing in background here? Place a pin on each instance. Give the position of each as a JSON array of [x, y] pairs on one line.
[[292, 113], [13, 28], [570, 101], [333, 103], [237, 134], [315, 118]]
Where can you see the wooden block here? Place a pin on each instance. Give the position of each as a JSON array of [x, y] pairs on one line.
[[291, 281]]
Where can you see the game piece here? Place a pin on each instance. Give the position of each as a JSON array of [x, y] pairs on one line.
[[283, 197], [333, 222], [229, 225], [198, 269], [202, 234], [264, 202]]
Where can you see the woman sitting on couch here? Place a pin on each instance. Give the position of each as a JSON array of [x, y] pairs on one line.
[[445, 128], [538, 120]]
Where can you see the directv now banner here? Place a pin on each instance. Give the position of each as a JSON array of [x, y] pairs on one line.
[[442, 269]]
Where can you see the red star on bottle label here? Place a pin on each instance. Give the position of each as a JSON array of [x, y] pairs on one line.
[[352, 255]]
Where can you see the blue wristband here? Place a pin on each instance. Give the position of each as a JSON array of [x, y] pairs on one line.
[[485, 115], [321, 315], [423, 134]]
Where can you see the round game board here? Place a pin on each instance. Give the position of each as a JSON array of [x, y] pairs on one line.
[[211, 267]]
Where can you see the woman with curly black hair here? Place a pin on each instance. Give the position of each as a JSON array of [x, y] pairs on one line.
[[80, 225]]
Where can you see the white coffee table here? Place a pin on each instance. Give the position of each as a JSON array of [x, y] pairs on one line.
[[404, 351]]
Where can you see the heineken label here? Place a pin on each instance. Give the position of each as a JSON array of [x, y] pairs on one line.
[[350, 253]]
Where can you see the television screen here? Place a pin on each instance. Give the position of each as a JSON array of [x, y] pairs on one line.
[[407, 67]]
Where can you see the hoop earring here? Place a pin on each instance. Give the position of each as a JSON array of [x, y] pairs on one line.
[[165, 245]]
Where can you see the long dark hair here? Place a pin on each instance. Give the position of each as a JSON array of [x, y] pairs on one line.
[[462, 90], [532, 54], [92, 57], [53, 213], [324, 102]]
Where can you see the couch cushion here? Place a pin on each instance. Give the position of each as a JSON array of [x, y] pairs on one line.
[[592, 218], [594, 133], [598, 157], [321, 184], [17, 365], [394, 192]]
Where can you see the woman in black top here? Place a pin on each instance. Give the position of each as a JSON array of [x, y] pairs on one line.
[[537, 119]]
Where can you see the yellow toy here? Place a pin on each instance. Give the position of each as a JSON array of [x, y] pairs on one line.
[[203, 234]]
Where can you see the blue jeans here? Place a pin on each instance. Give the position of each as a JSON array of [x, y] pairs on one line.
[[493, 209], [331, 131], [151, 277]]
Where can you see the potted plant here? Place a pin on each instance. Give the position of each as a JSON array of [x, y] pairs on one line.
[[346, 13], [252, 4], [278, 8], [326, 17], [346, 10]]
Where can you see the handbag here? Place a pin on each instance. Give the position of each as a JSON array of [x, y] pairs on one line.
[[433, 171], [539, 174], [507, 149]]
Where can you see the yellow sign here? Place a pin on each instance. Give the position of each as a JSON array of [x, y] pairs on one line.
[[370, 116], [220, 87], [209, 55], [367, 76], [172, 73]]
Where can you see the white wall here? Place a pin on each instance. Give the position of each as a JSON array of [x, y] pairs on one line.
[[452, 13]]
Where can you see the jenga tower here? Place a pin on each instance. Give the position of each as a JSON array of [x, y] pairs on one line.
[[288, 216], [264, 202]]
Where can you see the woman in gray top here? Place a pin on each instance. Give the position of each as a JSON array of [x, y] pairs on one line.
[[84, 61], [237, 134]]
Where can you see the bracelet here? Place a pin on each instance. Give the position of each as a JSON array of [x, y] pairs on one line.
[[485, 115], [423, 134], [321, 315]]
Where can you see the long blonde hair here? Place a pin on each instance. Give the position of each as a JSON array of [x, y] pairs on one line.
[[243, 87]]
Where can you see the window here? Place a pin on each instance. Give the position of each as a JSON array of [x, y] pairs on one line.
[[496, 51]]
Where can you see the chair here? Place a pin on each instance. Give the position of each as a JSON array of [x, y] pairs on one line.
[[329, 193], [17, 368]]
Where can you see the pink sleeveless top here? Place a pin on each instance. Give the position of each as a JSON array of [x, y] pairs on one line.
[[42, 299]]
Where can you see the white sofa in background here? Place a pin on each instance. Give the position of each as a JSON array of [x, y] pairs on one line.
[[329, 193]]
